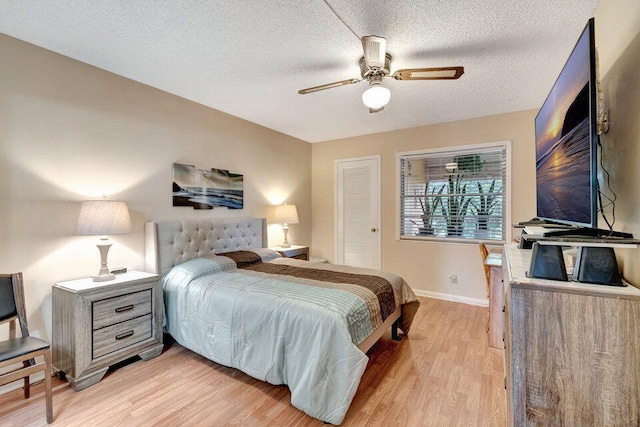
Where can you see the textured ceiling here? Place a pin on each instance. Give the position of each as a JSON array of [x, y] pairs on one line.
[[249, 58]]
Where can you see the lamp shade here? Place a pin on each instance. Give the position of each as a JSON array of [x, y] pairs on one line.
[[286, 214], [103, 217]]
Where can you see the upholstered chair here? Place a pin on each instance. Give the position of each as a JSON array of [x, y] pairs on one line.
[[24, 349]]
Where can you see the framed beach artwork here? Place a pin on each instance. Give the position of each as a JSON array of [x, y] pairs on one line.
[[206, 188]]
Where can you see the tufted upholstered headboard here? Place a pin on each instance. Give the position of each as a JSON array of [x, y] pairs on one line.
[[168, 243]]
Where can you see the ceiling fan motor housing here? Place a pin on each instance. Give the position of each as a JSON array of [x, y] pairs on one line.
[[367, 72]]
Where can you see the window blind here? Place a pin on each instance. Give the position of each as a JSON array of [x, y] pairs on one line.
[[458, 194]]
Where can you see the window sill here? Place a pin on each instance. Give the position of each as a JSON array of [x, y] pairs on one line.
[[437, 239]]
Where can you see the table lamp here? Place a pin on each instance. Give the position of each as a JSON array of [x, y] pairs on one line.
[[285, 215], [103, 218]]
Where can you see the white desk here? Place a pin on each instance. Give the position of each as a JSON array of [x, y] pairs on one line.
[[496, 299]]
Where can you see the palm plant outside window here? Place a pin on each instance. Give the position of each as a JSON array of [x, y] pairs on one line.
[[454, 194]]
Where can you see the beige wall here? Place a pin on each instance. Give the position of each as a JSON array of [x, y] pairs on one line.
[[618, 43], [425, 265], [70, 132]]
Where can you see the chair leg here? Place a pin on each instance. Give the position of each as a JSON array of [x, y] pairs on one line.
[[487, 325], [27, 384], [47, 386]]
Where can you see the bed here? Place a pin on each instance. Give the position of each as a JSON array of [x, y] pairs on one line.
[[284, 321]]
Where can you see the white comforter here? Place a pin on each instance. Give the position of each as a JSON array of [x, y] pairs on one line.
[[253, 324]]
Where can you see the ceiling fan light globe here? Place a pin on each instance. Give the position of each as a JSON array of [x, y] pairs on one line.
[[376, 96]]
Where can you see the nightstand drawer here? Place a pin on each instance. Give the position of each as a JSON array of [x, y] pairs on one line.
[[119, 309], [121, 335]]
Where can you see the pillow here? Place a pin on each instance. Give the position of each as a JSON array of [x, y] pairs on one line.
[[198, 267], [267, 254], [249, 257]]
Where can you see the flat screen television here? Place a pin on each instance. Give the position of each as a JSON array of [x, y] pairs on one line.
[[566, 141]]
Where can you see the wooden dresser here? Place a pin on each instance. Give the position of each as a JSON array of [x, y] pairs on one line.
[[572, 350], [97, 324]]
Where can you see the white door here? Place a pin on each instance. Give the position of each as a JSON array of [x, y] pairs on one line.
[[358, 212]]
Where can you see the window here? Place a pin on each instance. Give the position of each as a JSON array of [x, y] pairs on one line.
[[454, 194]]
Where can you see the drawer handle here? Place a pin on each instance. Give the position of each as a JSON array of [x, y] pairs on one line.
[[125, 308], [124, 335]]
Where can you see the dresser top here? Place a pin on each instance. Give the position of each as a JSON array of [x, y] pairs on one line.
[[519, 260], [88, 283]]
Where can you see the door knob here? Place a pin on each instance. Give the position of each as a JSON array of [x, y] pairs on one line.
[[373, 229]]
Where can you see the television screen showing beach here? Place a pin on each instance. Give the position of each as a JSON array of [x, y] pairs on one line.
[[206, 188], [563, 143]]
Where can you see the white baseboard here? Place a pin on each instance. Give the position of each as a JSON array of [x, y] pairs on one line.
[[448, 297]]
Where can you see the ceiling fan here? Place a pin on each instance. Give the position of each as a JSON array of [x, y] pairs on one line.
[[375, 65]]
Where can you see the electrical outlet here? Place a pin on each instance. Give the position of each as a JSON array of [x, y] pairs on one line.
[[453, 279]]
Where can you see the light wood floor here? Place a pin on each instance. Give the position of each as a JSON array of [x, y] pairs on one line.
[[444, 374]]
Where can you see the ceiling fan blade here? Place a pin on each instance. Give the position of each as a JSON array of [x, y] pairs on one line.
[[375, 49], [441, 73], [328, 86]]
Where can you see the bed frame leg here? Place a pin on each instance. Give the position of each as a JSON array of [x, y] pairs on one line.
[[394, 331]]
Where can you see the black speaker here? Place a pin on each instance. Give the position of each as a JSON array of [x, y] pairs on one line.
[[547, 262], [597, 265]]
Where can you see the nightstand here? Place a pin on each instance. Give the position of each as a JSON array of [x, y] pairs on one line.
[[299, 252], [97, 324]]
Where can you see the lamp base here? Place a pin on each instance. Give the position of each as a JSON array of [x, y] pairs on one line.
[[285, 230], [104, 275], [103, 278]]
